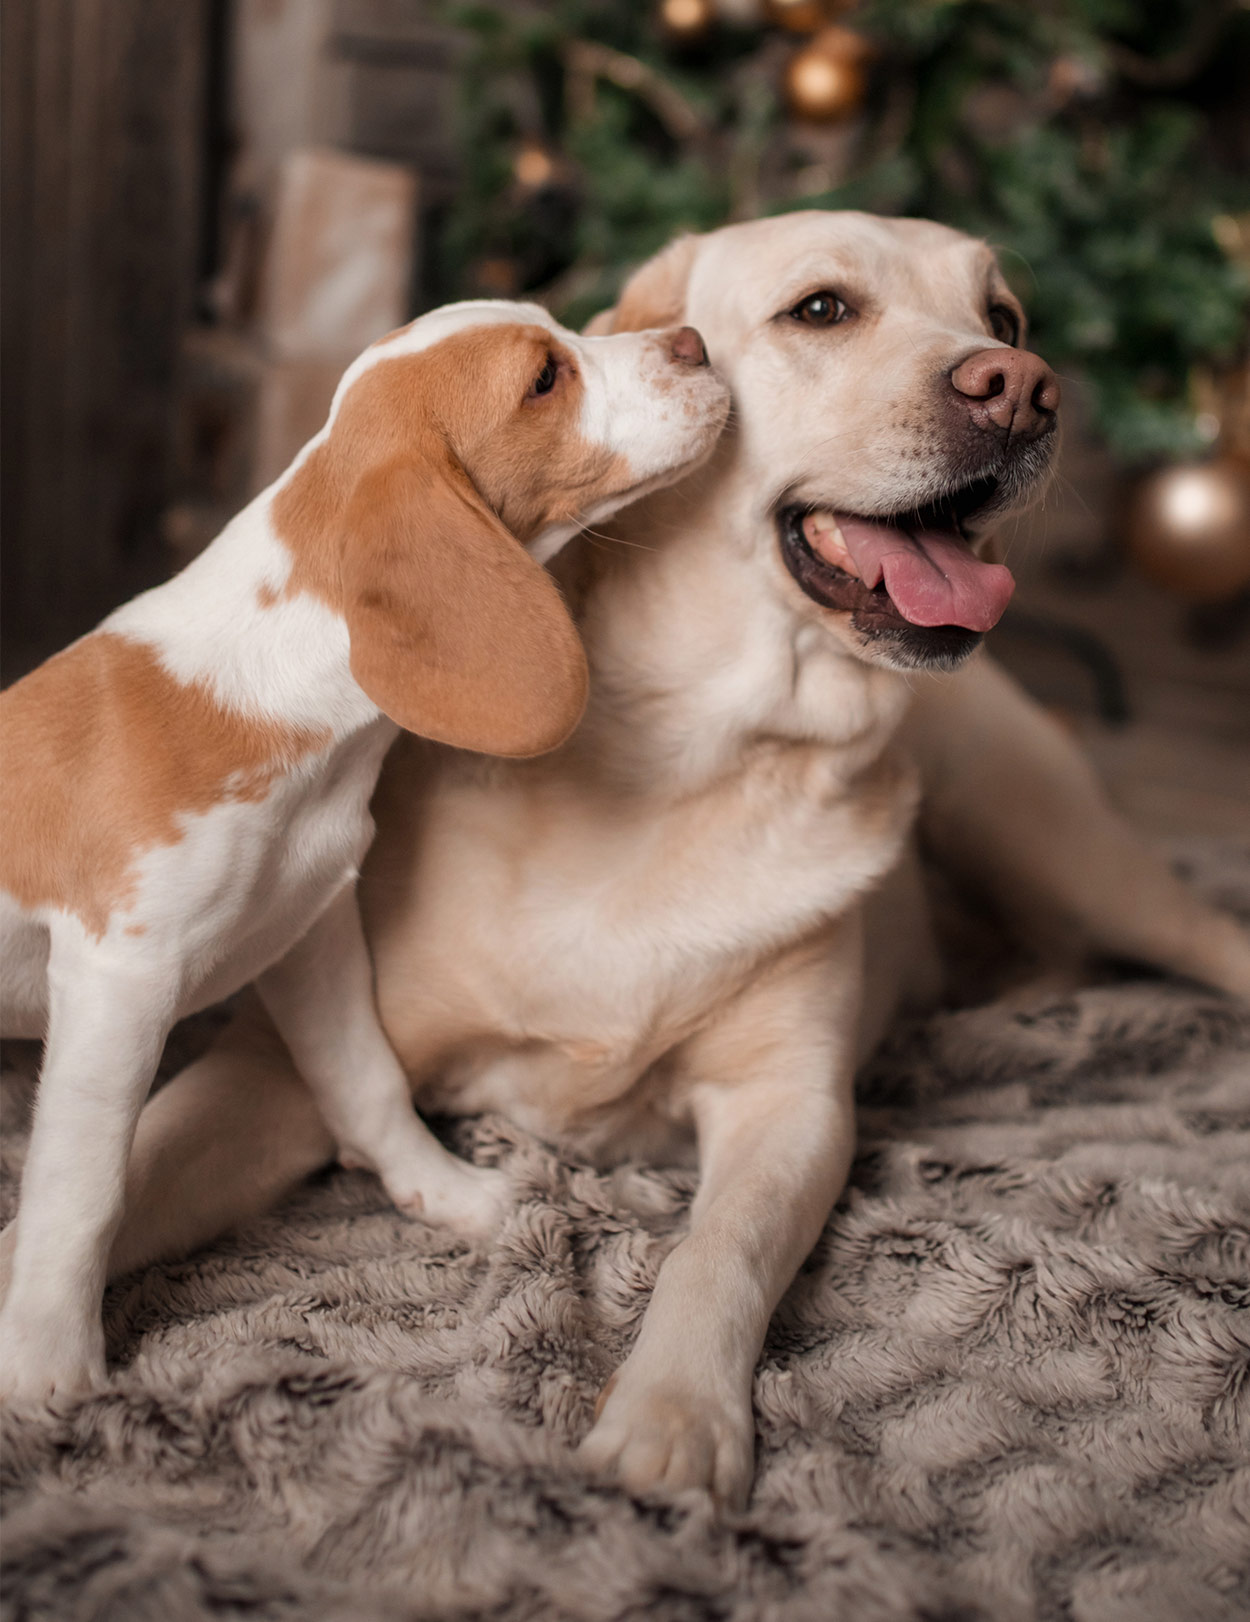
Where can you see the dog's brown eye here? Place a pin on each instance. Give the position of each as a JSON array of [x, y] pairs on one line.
[[1005, 324], [546, 379], [820, 310]]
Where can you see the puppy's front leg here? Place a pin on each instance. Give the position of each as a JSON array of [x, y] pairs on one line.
[[106, 1027], [321, 998], [771, 1091]]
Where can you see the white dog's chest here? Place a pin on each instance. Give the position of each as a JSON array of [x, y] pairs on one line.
[[597, 947]]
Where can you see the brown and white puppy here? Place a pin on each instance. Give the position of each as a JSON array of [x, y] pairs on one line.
[[676, 934], [186, 790]]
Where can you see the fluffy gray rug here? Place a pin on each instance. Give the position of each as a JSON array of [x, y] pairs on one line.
[[1012, 1382]]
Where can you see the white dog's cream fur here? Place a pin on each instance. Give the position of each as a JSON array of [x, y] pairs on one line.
[[678, 933]]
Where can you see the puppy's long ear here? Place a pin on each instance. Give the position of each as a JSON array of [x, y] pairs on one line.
[[655, 295], [456, 633]]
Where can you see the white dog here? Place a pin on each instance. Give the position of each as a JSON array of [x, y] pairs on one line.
[[186, 790], [679, 932]]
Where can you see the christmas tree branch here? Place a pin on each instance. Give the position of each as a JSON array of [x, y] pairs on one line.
[[586, 62]]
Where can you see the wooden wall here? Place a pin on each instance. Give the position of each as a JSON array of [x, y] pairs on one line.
[[103, 134]]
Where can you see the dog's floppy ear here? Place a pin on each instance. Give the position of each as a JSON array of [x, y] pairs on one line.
[[655, 295], [456, 633]]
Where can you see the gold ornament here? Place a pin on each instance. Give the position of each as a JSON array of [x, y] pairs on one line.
[[533, 166], [1232, 232], [496, 277], [799, 16], [825, 81], [686, 19], [1073, 78], [1189, 529]]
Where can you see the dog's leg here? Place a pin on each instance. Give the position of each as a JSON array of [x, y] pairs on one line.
[[106, 1027], [321, 998], [220, 1144], [771, 1089], [1011, 803]]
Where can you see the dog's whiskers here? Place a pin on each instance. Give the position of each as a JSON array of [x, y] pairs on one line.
[[616, 540]]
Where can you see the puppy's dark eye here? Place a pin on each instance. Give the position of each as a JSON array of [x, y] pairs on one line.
[[546, 379], [823, 309], [1005, 324]]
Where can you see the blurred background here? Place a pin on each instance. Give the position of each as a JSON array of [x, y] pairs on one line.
[[209, 207]]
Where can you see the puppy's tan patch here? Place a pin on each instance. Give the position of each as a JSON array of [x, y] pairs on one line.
[[104, 752]]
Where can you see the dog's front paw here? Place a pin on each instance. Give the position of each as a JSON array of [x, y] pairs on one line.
[[468, 1199], [670, 1433], [38, 1363]]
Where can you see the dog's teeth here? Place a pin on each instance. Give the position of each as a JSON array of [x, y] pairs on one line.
[[821, 532]]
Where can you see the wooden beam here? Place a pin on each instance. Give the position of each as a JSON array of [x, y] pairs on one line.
[[102, 108]]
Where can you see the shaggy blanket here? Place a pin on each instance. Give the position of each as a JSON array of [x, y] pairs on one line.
[[1011, 1382]]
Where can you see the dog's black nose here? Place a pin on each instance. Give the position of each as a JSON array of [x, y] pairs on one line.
[[1009, 388], [686, 345]]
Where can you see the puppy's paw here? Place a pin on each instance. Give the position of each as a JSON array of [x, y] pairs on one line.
[[669, 1434], [39, 1364], [470, 1200]]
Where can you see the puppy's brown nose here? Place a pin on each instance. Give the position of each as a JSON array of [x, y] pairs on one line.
[[1009, 388], [686, 345]]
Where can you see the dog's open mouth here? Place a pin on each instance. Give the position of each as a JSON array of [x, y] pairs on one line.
[[909, 569]]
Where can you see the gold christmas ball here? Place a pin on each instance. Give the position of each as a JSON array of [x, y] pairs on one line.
[[687, 19], [534, 166], [1189, 529], [1072, 78], [825, 81], [496, 277], [799, 16]]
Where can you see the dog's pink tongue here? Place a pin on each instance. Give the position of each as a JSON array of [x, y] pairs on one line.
[[932, 577]]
